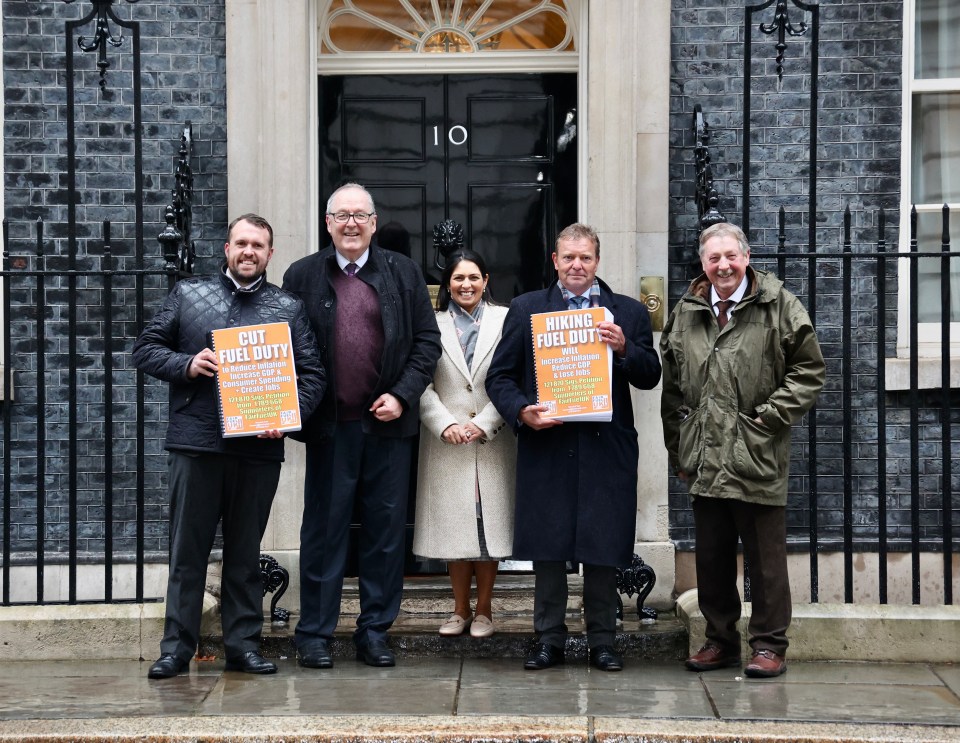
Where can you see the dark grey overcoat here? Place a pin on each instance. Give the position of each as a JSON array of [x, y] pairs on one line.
[[576, 483]]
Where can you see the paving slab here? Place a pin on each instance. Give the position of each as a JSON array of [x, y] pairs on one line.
[[779, 699], [51, 697], [237, 693], [464, 699], [950, 675]]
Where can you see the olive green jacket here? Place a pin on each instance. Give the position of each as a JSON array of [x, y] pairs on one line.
[[766, 363]]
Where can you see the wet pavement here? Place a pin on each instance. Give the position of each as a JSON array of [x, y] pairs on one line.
[[489, 699]]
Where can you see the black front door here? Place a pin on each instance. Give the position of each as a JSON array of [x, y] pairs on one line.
[[495, 153]]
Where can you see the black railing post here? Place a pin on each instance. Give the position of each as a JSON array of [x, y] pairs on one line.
[[945, 408], [107, 414], [705, 194], [7, 410], [170, 240], [882, 403], [914, 410], [846, 373], [781, 244], [41, 410]]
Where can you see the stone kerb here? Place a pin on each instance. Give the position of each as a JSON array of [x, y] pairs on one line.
[[854, 632], [87, 631]]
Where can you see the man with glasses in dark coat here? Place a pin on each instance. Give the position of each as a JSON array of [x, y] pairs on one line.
[[380, 343]]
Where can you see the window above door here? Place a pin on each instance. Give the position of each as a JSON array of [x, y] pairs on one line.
[[447, 27]]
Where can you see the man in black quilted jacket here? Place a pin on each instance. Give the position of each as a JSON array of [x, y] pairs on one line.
[[212, 478]]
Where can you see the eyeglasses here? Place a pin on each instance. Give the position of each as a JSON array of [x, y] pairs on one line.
[[344, 217]]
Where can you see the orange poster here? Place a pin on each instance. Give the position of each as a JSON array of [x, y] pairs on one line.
[[573, 366], [257, 379]]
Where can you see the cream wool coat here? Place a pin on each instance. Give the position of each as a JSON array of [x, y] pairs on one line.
[[446, 523]]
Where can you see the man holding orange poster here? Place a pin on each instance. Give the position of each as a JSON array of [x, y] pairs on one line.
[[576, 479], [212, 477]]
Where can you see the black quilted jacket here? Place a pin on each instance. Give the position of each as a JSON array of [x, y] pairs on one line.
[[182, 328]]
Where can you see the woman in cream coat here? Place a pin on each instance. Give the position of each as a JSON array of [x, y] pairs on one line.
[[468, 455]]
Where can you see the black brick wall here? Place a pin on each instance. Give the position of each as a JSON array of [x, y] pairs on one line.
[[183, 79], [859, 130]]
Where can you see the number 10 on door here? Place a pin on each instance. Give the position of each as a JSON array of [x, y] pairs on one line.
[[457, 135]]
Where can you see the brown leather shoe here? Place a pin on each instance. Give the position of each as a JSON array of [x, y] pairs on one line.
[[710, 658], [766, 664]]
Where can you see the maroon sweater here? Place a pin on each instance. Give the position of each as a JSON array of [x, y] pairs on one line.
[[358, 344]]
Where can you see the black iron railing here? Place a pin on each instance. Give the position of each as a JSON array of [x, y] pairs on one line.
[[807, 270], [50, 373], [848, 361]]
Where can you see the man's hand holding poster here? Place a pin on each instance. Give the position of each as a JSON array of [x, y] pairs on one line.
[[573, 366], [256, 379]]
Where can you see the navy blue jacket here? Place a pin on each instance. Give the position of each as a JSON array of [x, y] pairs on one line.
[[577, 482]]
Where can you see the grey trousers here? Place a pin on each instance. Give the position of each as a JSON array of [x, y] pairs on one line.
[[550, 603], [205, 489]]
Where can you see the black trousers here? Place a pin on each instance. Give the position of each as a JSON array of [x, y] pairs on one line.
[[206, 489], [550, 603], [340, 469], [763, 531]]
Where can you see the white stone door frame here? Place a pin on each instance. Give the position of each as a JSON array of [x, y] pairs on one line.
[[623, 65]]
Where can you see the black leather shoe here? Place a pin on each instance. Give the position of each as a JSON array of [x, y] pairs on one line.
[[167, 666], [543, 656], [315, 655], [604, 658], [376, 654], [250, 662]]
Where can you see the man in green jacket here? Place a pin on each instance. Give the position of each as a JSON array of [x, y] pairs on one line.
[[741, 363]]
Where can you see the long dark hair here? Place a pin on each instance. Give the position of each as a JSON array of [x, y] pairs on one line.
[[455, 259]]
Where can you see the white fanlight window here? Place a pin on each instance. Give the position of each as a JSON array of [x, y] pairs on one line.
[[446, 26]]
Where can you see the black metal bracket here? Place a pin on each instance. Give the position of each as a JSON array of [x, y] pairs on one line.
[[782, 26], [179, 250], [638, 579], [705, 195], [276, 578], [102, 36]]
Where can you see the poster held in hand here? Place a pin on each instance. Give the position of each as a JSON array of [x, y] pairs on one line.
[[256, 379], [573, 366]]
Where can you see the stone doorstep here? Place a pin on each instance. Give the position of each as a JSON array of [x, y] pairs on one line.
[[417, 636], [852, 632], [427, 602], [131, 631]]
